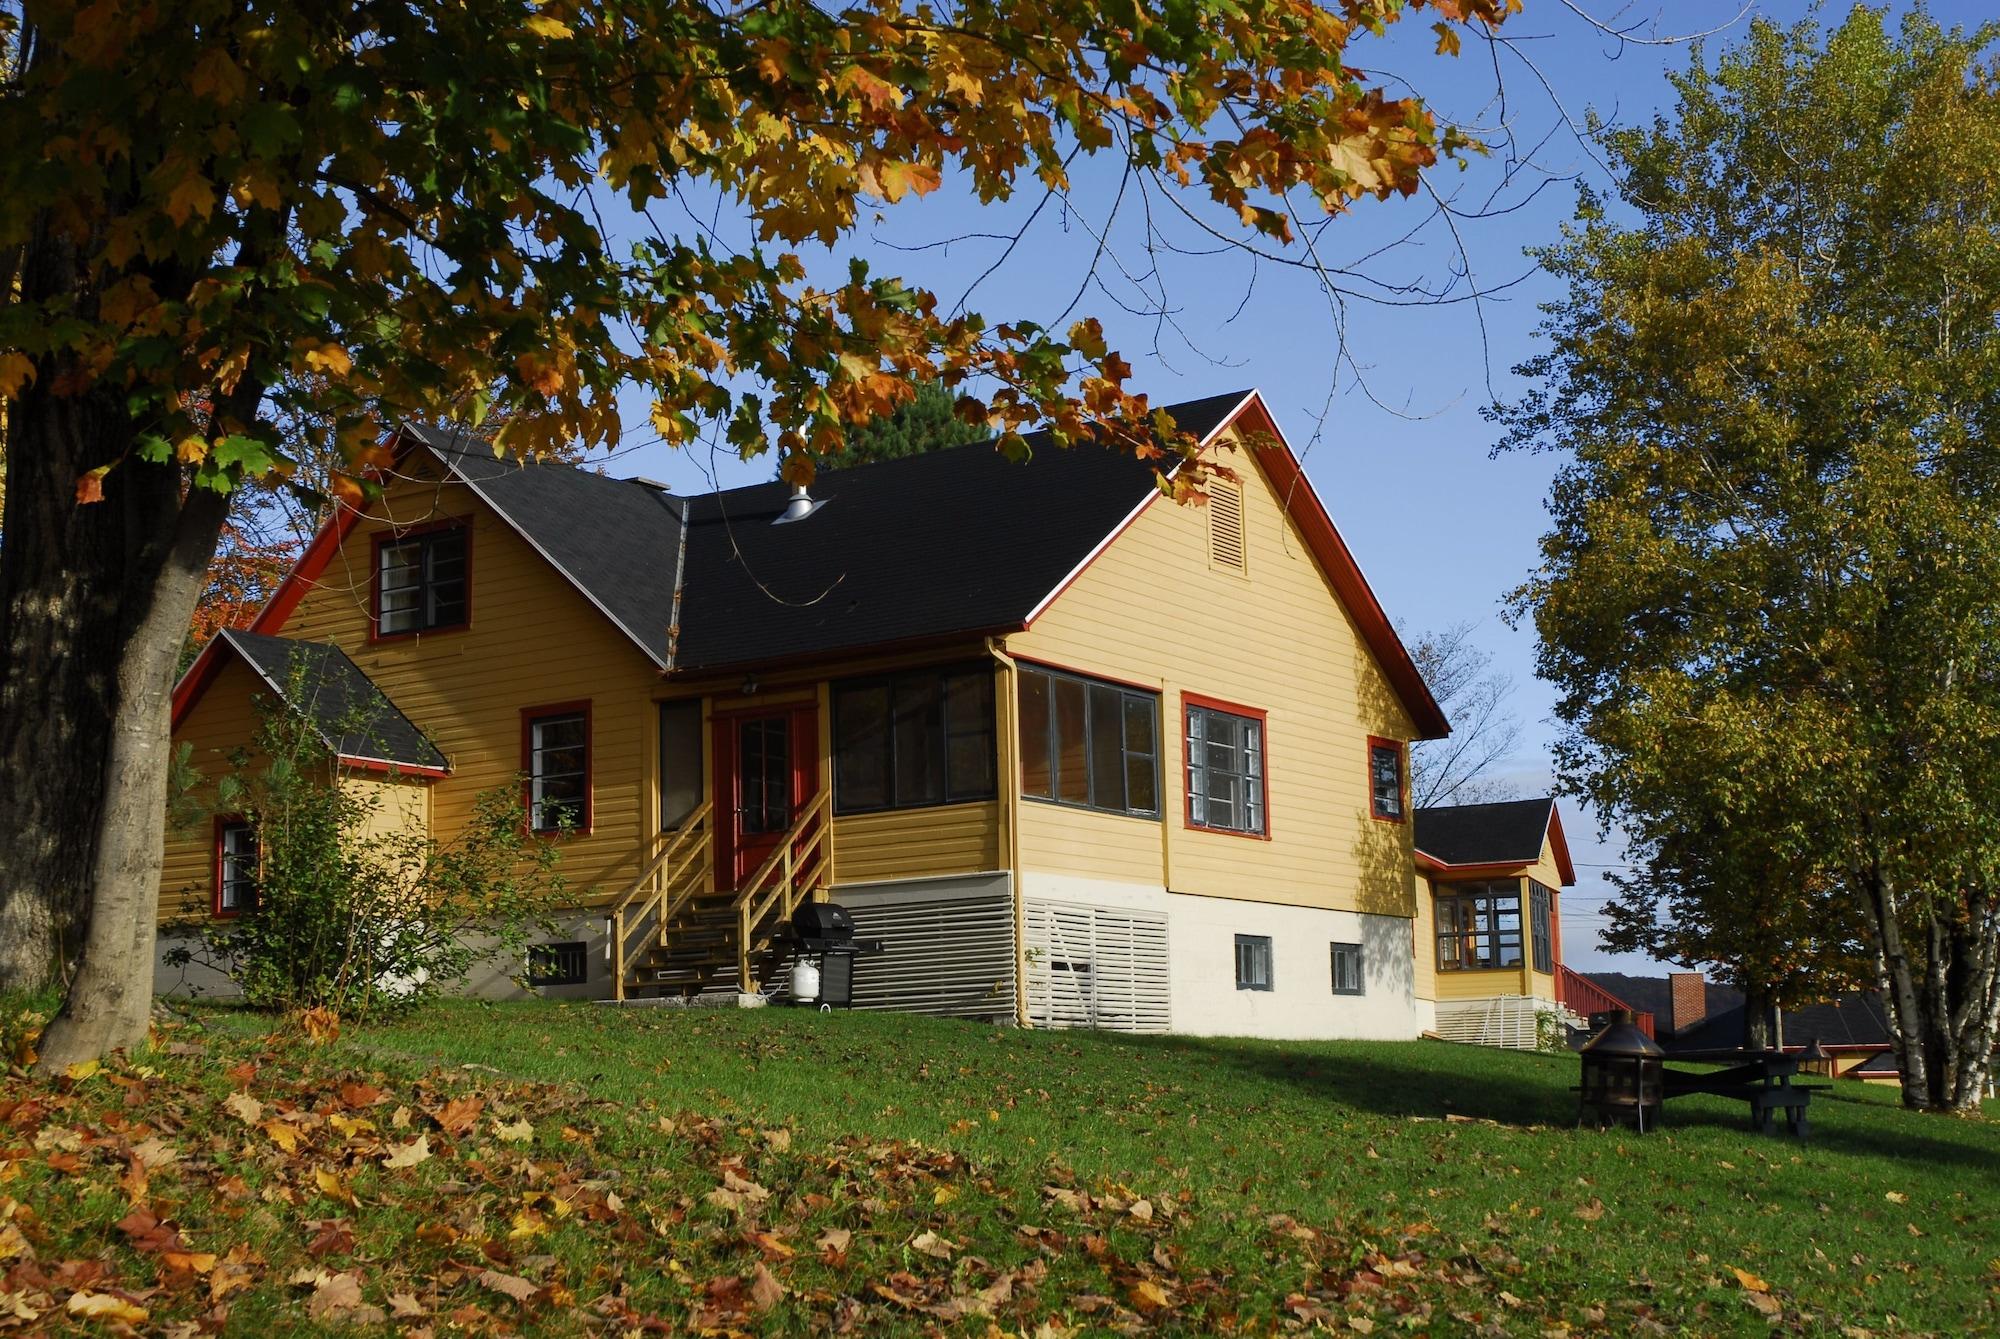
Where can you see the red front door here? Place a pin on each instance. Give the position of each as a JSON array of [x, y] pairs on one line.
[[765, 771]]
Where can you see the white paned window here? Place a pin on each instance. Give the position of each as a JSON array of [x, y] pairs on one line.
[[1253, 962], [1225, 771]]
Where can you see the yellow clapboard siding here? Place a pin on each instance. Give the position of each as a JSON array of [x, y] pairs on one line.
[[221, 725], [1152, 610], [1425, 934], [917, 843], [533, 640], [1060, 839], [1481, 985]]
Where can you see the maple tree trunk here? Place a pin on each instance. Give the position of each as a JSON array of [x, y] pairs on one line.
[[110, 1001], [60, 602]]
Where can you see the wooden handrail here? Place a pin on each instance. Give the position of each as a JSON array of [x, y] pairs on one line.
[[664, 886], [776, 884]]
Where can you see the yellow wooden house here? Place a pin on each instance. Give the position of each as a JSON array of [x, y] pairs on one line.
[[1076, 755], [1489, 918]]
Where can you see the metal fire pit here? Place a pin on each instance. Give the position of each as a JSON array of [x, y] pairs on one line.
[[822, 940], [1624, 1077]]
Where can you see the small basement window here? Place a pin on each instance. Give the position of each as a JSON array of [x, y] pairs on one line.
[[1347, 978], [1253, 962], [564, 964]]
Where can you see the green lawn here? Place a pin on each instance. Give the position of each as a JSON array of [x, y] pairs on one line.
[[771, 1171]]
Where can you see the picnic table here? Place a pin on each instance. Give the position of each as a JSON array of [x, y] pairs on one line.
[[1761, 1078]]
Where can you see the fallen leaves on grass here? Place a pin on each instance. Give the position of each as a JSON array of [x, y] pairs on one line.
[[272, 1170]]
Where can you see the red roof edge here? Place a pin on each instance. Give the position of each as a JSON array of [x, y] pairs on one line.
[[1561, 846], [1309, 514], [271, 618]]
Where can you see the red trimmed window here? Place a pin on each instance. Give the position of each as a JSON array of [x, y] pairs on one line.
[[1225, 769], [1385, 779], [555, 756], [236, 867], [422, 581]]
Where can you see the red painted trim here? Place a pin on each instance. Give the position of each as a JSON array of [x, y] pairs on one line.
[[222, 821], [1402, 779], [395, 768], [529, 715], [1560, 845], [199, 676], [1282, 468], [1056, 667], [1256, 714], [398, 535], [802, 729], [306, 572]]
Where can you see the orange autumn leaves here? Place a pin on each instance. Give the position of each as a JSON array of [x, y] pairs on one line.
[[278, 203]]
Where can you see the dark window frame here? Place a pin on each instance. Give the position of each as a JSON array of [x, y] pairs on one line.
[[424, 537], [1468, 914], [1358, 973], [1378, 745], [1541, 906], [541, 715], [1233, 711], [219, 906], [1259, 952], [1095, 690], [945, 728], [564, 963]]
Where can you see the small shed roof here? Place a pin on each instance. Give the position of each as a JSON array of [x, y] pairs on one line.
[[355, 718]]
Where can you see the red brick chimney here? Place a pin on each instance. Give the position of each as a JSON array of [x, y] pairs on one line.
[[1689, 1000]]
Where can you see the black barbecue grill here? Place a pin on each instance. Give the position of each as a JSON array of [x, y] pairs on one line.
[[823, 933]]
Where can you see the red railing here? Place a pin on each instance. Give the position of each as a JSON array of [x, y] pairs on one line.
[[1586, 997]]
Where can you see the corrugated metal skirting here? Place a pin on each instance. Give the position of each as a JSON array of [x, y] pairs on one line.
[[1096, 967], [941, 955]]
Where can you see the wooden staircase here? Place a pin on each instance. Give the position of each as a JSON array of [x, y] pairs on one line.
[[673, 932]]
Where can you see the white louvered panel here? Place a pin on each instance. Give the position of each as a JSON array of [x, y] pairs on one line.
[[1097, 967], [1225, 525], [938, 957]]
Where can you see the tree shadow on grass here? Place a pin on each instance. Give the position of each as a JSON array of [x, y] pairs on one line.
[[1523, 1090]]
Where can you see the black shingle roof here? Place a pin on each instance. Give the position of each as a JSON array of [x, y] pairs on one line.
[[1856, 1019], [1655, 995], [956, 542], [1508, 832], [344, 705], [618, 540]]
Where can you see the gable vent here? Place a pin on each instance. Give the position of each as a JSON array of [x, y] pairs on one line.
[[1225, 526]]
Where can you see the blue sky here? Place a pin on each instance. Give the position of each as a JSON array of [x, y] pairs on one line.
[[1390, 429]]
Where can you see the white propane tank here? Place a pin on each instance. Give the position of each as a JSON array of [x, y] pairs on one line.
[[805, 981]]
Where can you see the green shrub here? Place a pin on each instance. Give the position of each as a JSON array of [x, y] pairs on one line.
[[355, 912]]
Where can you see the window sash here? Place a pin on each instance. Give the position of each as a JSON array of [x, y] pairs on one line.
[[914, 740], [558, 770], [420, 582], [1089, 744], [1347, 975], [1479, 927], [1540, 902], [1253, 962], [1225, 765], [1385, 780], [237, 860]]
